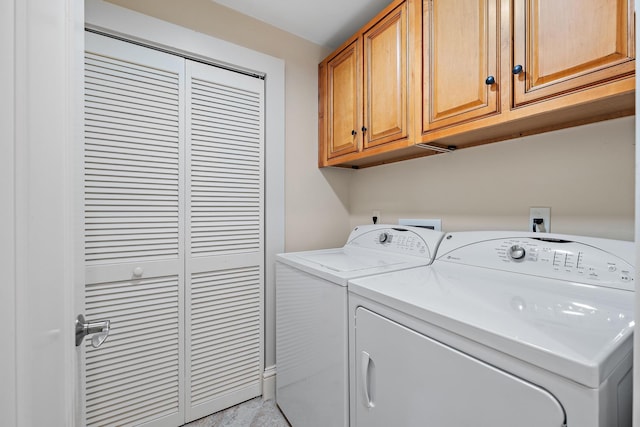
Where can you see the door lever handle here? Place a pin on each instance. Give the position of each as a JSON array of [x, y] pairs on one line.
[[99, 330]]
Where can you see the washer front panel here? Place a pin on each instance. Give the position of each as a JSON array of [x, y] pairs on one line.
[[311, 349]]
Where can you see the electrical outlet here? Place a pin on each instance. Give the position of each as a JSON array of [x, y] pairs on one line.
[[537, 214]]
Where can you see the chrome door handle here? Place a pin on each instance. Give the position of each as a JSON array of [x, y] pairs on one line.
[[99, 330]]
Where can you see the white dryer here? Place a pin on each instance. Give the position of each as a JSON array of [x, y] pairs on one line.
[[311, 316], [503, 329]]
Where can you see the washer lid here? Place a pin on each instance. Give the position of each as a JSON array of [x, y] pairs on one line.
[[341, 264], [578, 331], [346, 261], [370, 249]]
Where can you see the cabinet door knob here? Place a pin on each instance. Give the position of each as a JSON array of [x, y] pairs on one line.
[[353, 132], [490, 80], [517, 69], [364, 129]]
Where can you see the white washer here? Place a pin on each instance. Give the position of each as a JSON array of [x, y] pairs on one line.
[[503, 329], [311, 316]]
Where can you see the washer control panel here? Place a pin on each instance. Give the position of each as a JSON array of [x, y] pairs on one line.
[[517, 252], [398, 241], [411, 241], [547, 257]]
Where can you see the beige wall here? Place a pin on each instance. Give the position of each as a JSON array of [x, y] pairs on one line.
[[316, 210], [585, 174]]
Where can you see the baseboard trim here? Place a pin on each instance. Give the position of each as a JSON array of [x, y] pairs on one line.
[[269, 383]]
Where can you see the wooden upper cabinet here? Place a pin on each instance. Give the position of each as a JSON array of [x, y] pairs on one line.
[[344, 102], [565, 46], [386, 79], [428, 76], [460, 67], [365, 100]]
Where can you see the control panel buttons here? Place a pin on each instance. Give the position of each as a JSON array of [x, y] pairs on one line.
[[517, 252], [555, 259], [396, 241]]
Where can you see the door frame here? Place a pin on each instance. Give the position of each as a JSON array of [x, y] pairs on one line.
[[636, 335], [40, 132], [133, 26], [7, 215]]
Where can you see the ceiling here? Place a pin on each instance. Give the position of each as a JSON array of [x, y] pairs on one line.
[[327, 22]]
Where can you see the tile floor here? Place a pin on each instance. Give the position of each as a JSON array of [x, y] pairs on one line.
[[252, 413]]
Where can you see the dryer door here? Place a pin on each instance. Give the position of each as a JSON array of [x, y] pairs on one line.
[[404, 378]]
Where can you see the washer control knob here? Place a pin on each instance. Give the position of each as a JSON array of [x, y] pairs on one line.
[[517, 252], [383, 237]]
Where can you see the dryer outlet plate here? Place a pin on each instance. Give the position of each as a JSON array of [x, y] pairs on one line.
[[433, 224], [538, 212]]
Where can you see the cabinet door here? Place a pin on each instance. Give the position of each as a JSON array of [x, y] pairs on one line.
[[386, 79], [460, 61], [344, 99], [568, 45], [407, 379]]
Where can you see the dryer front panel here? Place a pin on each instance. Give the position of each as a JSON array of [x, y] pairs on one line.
[[405, 378]]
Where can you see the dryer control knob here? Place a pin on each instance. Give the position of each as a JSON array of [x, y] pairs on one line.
[[383, 237], [517, 252]]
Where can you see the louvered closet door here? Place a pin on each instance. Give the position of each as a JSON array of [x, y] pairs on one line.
[[134, 227], [225, 239]]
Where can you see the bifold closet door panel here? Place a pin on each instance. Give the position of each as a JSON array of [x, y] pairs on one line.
[[224, 239], [134, 233], [174, 220]]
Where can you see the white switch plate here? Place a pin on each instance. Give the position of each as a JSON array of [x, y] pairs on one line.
[[544, 213], [433, 224]]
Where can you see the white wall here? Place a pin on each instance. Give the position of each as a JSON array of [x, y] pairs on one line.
[[317, 214], [585, 174]]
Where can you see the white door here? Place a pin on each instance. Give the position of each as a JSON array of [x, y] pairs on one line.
[[134, 233], [405, 378], [225, 238], [173, 235]]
